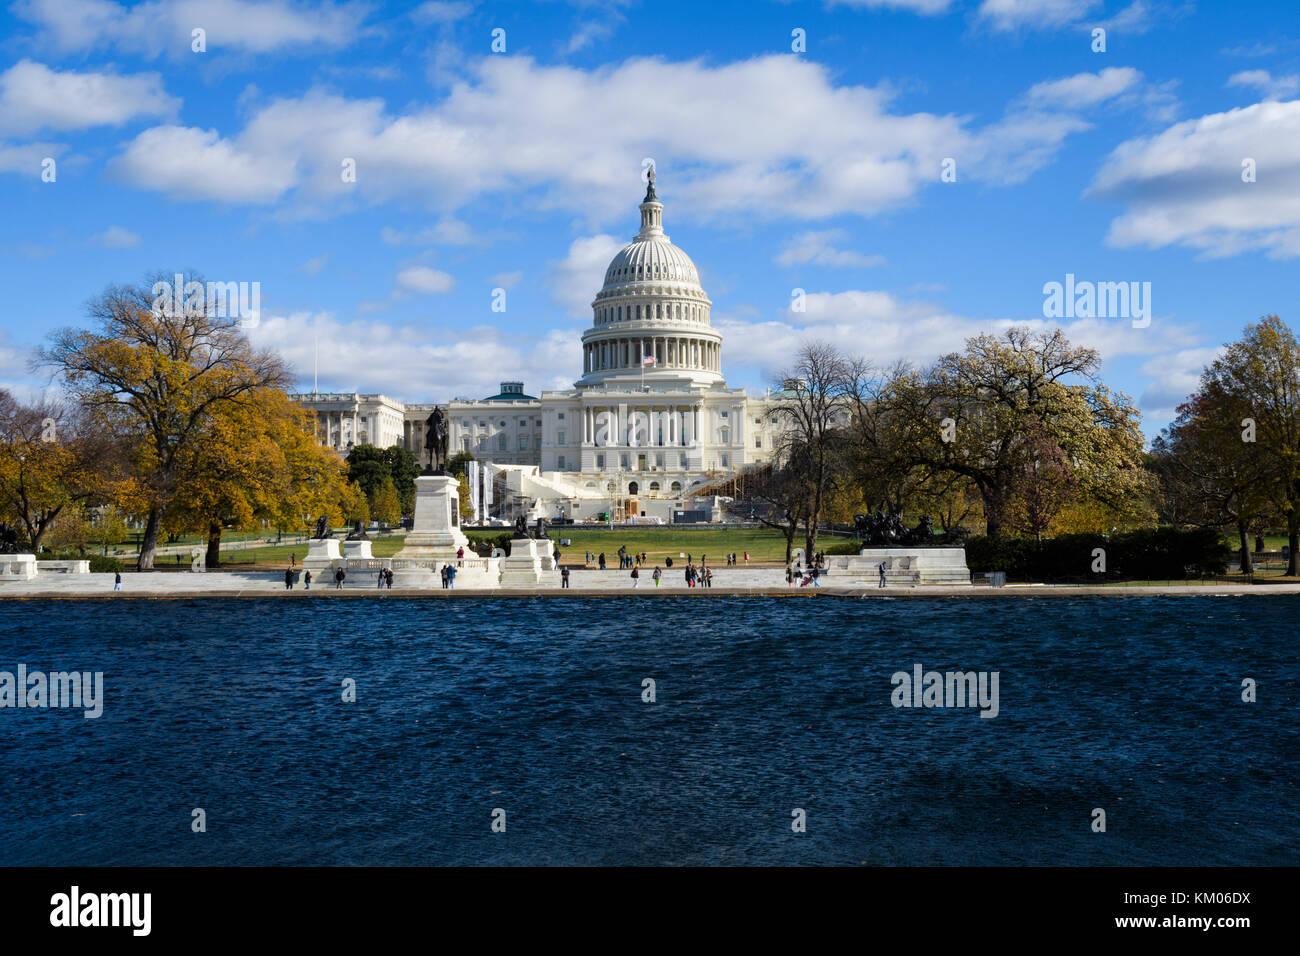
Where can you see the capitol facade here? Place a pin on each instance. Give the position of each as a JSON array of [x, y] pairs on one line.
[[649, 423]]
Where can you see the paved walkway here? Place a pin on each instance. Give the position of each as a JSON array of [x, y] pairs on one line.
[[728, 582]]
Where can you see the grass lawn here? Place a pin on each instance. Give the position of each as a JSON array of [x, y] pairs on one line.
[[765, 546], [278, 555]]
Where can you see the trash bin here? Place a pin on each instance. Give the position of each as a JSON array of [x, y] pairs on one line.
[[997, 579]]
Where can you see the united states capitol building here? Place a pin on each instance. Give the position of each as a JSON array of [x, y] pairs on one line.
[[649, 423]]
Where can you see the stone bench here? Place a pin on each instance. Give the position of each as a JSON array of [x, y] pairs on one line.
[[64, 567]]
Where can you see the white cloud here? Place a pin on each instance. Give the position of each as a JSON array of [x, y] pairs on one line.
[[450, 232], [164, 26], [116, 237], [1085, 89], [314, 265], [886, 328], [418, 361], [818, 248], [1184, 185], [26, 159], [1009, 15], [928, 7], [1272, 87], [194, 164], [1174, 377], [424, 280], [438, 11], [34, 97], [577, 278], [565, 136], [506, 280]]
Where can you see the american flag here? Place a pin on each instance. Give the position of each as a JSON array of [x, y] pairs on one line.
[[648, 360]]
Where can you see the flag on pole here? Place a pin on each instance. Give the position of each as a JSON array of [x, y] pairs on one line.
[[648, 360]]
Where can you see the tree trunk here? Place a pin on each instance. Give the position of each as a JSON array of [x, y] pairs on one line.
[[149, 544], [790, 531], [1293, 539], [213, 557], [1245, 548]]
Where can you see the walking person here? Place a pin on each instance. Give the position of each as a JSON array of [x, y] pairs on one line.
[[339, 575], [444, 576], [117, 581], [451, 578], [288, 579], [564, 576], [379, 579], [636, 576], [602, 560], [881, 569], [657, 575], [460, 556], [306, 580], [388, 575], [789, 576]]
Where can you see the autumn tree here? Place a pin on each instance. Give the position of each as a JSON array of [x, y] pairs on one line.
[[1258, 377], [257, 462], [812, 405], [157, 375], [1210, 476], [54, 463], [988, 412], [386, 506]]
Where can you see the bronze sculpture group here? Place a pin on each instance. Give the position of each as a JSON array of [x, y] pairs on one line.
[[8, 539], [880, 530]]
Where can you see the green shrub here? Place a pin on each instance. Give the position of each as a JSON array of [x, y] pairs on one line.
[[99, 564], [1163, 553]]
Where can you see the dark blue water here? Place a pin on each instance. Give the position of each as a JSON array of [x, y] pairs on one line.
[[764, 705]]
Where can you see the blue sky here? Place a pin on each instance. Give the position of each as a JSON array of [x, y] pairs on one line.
[[818, 170]]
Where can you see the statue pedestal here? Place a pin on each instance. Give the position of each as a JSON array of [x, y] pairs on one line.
[[435, 532], [357, 550], [530, 564], [19, 567], [321, 554], [906, 567]]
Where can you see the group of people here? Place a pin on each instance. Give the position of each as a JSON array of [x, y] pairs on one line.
[[657, 576], [701, 576], [811, 576], [386, 578], [290, 576], [448, 576], [732, 561]]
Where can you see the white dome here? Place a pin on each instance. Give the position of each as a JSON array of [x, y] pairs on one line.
[[652, 304], [651, 258]]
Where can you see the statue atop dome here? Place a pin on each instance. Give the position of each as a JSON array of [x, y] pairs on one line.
[[650, 187]]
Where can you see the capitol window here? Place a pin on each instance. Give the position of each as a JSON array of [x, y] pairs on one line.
[[523, 442], [559, 438], [600, 461], [501, 442]]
